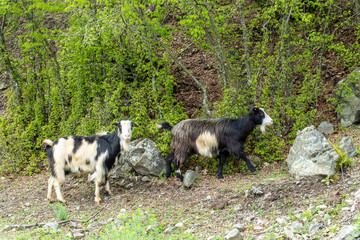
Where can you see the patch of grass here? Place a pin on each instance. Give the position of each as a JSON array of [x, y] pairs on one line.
[[140, 225], [60, 211]]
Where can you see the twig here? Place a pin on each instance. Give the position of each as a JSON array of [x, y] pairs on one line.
[[8, 228], [94, 215]]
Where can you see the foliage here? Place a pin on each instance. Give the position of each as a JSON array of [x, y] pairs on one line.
[[344, 160], [103, 61], [140, 225], [60, 211], [329, 179]]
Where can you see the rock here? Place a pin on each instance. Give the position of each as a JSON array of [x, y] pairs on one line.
[[356, 194], [130, 185], [249, 218], [169, 229], [234, 235], [179, 225], [314, 227], [145, 179], [257, 190], [122, 165], [78, 235], [4, 84], [326, 127], [347, 146], [190, 177], [311, 155], [52, 225], [280, 220], [122, 212], [239, 227], [322, 206], [296, 225], [289, 234], [219, 204], [255, 160], [346, 232], [92, 225], [246, 192], [146, 159], [347, 94]]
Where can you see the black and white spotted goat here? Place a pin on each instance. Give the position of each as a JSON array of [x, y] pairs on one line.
[[94, 154], [209, 137]]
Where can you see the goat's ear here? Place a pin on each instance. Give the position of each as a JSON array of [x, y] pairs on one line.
[[115, 124], [133, 124]]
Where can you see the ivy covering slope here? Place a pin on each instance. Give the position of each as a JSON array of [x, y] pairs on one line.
[[78, 66]]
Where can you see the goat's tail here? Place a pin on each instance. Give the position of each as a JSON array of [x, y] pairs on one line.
[[47, 143], [164, 125]]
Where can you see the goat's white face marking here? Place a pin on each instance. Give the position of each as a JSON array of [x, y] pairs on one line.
[[125, 133], [267, 121]]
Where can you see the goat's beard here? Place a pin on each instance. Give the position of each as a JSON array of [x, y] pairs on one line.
[[125, 145]]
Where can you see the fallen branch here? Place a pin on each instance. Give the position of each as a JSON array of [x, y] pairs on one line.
[[25, 226], [101, 208]]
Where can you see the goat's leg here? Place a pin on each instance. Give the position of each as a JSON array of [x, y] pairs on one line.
[[247, 161], [107, 184], [50, 187], [169, 160], [222, 160], [57, 182], [177, 170], [97, 192], [96, 177]]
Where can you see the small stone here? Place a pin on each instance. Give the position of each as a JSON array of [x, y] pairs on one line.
[[234, 235], [326, 127], [239, 227], [179, 225], [314, 227], [257, 190], [122, 212], [357, 194], [296, 225], [130, 185], [78, 235], [146, 179], [322, 207], [346, 232], [190, 177], [289, 234], [52, 225], [246, 192], [169, 229], [27, 204], [280, 220], [250, 218], [91, 225]]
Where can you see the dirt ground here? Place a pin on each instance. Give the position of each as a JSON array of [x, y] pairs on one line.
[[210, 208]]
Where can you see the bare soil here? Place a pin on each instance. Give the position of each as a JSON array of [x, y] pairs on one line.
[[210, 208]]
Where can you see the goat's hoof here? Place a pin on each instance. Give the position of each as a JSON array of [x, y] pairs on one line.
[[98, 201], [62, 202]]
